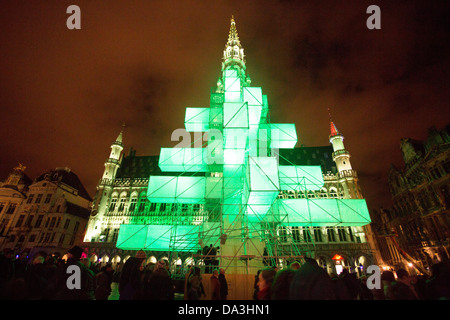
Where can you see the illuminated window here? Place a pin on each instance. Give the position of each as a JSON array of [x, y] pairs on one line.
[[132, 205], [121, 205], [112, 206]]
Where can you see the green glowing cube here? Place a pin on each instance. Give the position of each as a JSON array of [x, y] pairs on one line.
[[197, 119], [300, 178]]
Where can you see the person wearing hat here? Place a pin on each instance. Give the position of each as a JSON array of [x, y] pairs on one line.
[[87, 278], [75, 253]]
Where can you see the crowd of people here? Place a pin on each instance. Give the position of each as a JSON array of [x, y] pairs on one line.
[[46, 277], [308, 281]]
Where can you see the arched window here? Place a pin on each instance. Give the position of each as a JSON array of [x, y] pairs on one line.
[[333, 193], [113, 204]]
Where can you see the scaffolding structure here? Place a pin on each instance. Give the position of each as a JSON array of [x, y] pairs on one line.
[[236, 178]]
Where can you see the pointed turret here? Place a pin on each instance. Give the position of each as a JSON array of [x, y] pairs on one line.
[[340, 155], [342, 159], [113, 162], [333, 129]]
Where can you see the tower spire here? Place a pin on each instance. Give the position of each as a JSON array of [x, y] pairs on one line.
[[233, 54]]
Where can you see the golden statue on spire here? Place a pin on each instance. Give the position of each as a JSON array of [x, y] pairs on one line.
[[20, 167]]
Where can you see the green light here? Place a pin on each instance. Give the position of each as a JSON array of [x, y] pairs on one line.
[[236, 172]]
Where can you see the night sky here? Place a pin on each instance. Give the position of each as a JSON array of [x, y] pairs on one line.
[[64, 94]]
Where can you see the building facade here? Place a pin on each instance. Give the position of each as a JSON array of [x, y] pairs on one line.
[[49, 216], [419, 217]]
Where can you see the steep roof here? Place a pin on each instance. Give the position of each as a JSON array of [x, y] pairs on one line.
[[142, 167], [66, 176], [309, 156]]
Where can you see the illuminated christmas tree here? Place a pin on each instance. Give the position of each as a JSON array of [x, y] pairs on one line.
[[237, 179]]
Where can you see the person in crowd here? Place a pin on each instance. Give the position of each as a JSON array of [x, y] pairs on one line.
[[282, 283], [403, 288], [348, 286], [115, 280], [215, 285], [159, 285], [294, 265], [223, 284], [437, 287], [265, 281], [20, 265], [87, 278], [36, 279], [364, 293], [6, 270], [196, 289], [387, 280], [130, 283], [103, 281], [255, 286], [311, 282]]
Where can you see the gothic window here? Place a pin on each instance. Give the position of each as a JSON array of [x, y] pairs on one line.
[[333, 193], [331, 234], [317, 234], [306, 234], [282, 232], [350, 233], [115, 235], [132, 207], [142, 203], [152, 206], [296, 234], [112, 206], [342, 235], [121, 205]]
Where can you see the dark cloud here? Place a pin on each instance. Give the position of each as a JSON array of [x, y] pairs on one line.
[[65, 94]]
